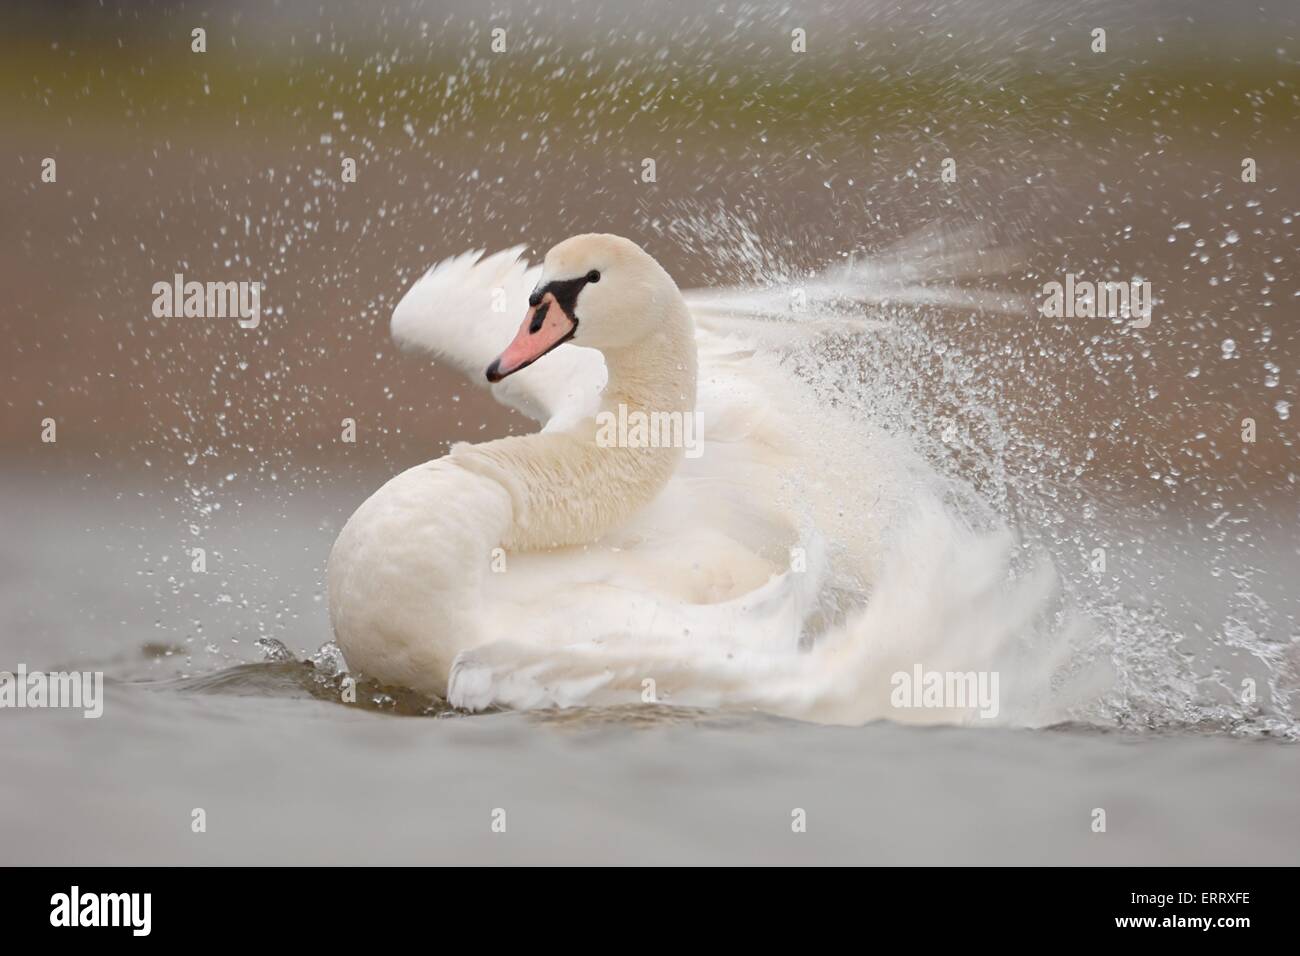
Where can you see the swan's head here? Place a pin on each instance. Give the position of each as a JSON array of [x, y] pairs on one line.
[[597, 290]]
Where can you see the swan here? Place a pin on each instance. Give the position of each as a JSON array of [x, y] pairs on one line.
[[549, 538], [585, 564]]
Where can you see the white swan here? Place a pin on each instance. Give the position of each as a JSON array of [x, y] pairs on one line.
[[561, 568]]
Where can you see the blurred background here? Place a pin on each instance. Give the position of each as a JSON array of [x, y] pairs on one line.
[[227, 164], [770, 166]]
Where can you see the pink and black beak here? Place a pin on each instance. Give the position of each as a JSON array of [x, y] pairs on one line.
[[550, 323]]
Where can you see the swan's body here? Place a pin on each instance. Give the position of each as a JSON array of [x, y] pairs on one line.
[[554, 569], [550, 538]]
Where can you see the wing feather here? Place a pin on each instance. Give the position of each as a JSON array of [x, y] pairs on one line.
[[467, 308]]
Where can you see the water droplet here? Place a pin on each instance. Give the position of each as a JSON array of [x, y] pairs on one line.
[[273, 650]]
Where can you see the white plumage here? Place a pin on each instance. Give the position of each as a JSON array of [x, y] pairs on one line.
[[550, 570]]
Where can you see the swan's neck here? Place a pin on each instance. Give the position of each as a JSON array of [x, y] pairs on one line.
[[657, 375], [571, 487]]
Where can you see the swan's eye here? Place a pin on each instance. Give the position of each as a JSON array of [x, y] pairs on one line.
[[593, 276]]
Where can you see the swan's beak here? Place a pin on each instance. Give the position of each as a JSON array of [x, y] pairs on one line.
[[545, 326]]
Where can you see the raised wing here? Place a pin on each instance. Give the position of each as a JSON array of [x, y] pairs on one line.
[[466, 309]]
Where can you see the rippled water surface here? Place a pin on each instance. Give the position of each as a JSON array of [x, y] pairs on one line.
[[288, 774]]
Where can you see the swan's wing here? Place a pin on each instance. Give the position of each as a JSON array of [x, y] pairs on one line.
[[466, 309]]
